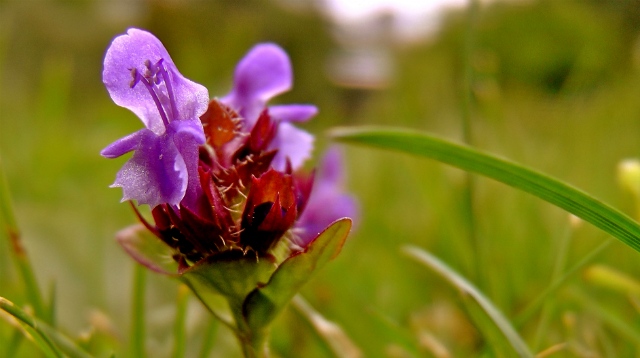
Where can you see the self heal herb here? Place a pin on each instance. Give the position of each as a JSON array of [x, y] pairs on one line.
[[221, 179]]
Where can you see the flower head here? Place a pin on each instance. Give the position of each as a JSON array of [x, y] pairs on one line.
[[219, 175], [140, 76]]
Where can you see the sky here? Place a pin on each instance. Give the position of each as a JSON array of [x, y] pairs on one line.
[[359, 9]]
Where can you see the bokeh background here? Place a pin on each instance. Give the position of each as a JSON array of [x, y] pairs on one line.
[[554, 85]]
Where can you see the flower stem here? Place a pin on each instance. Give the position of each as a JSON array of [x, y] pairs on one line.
[[253, 343]]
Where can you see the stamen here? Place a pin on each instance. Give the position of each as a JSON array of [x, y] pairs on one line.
[[241, 193], [167, 82], [135, 77], [154, 95], [237, 233], [231, 210]]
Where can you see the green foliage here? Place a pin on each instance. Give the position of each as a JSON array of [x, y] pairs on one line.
[[554, 85]]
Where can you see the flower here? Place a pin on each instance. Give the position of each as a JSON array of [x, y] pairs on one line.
[[327, 201], [140, 76], [219, 175], [263, 73]]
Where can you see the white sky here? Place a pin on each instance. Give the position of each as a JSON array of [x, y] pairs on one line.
[[358, 9]]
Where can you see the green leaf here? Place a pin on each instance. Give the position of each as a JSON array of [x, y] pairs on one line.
[[467, 287], [266, 302], [231, 274], [552, 190]]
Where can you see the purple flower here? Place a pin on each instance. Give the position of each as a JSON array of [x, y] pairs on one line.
[[262, 74], [140, 76], [327, 202]]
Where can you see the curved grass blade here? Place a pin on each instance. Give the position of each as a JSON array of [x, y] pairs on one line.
[[467, 287], [41, 339], [547, 188]]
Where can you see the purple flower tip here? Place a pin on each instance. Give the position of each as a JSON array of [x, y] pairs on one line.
[[262, 74], [141, 76]]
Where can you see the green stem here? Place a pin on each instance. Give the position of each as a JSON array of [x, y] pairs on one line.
[[252, 343], [137, 330]]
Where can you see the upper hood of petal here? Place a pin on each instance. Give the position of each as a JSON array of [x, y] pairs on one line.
[[130, 51], [262, 74]]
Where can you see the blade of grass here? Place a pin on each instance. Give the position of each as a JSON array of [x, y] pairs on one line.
[[469, 180], [51, 306], [332, 334], [14, 343], [611, 318], [138, 312], [560, 262], [40, 338], [179, 334], [549, 189], [422, 256], [207, 342], [396, 333], [538, 302], [66, 344], [10, 226]]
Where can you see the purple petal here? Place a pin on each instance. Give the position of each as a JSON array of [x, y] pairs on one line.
[[292, 143], [293, 112], [156, 173], [130, 51], [327, 202], [261, 75], [123, 145], [189, 129], [331, 171], [187, 138]]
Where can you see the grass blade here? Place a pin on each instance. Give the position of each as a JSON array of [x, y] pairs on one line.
[[538, 302], [10, 226], [138, 312], [335, 338], [209, 336], [549, 189], [179, 334], [467, 287], [40, 338]]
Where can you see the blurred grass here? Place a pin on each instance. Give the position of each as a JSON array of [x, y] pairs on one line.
[[556, 87]]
